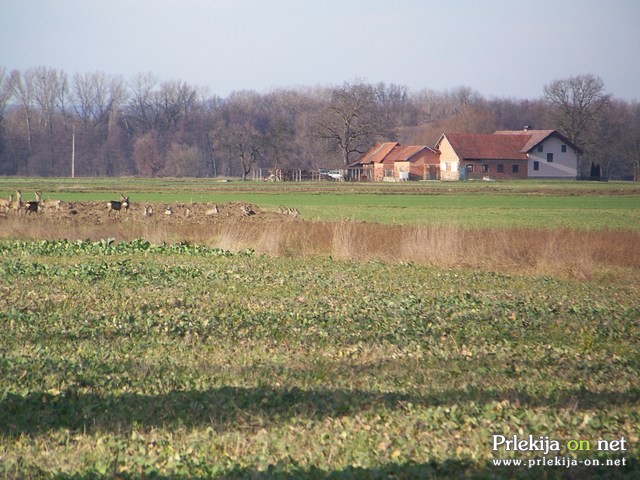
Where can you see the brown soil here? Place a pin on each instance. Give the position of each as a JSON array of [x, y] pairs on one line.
[[190, 222], [97, 213]]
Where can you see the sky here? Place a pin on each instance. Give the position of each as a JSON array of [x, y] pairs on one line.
[[499, 48]]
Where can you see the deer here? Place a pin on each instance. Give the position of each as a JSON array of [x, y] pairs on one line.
[[288, 211], [52, 204], [34, 205], [112, 205], [5, 203], [17, 205], [246, 210]]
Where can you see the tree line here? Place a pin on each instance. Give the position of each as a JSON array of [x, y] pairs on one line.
[[147, 127]]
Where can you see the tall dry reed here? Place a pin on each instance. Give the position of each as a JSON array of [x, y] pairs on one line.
[[566, 252]]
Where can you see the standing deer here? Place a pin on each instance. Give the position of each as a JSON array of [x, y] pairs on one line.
[[51, 204], [112, 205], [33, 205], [17, 205]]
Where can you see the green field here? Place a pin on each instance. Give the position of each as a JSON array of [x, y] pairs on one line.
[[133, 360], [122, 361], [529, 204]]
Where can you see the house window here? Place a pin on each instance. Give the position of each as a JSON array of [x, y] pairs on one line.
[[541, 148], [514, 168], [500, 168], [536, 166], [549, 157], [563, 148], [469, 168], [485, 168]]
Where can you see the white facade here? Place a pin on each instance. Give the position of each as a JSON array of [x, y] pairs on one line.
[[552, 158]]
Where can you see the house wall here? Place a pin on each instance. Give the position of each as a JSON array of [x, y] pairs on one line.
[[564, 165], [416, 171], [476, 169], [378, 172], [449, 161]]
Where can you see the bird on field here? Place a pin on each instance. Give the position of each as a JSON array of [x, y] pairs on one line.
[[168, 211]]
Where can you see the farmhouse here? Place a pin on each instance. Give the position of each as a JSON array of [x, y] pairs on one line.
[[507, 154], [389, 161]]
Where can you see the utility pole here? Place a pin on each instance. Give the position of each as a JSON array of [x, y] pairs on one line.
[[73, 152]]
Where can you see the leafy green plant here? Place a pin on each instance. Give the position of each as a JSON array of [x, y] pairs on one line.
[[179, 361]]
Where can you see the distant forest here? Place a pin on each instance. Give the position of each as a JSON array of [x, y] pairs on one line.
[[147, 127]]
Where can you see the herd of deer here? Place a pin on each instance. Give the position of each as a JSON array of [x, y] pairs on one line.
[[32, 206], [39, 205]]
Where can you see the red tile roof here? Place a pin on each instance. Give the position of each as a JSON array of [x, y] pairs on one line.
[[403, 154], [390, 152], [376, 154], [494, 147]]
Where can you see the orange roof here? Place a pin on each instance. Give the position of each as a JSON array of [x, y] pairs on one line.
[[390, 152], [376, 154], [403, 154]]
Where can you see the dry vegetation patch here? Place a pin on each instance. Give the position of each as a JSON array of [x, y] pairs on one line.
[[237, 226]]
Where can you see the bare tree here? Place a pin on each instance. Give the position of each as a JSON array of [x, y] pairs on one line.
[[240, 131], [246, 145], [395, 109], [147, 155], [140, 111], [95, 96], [576, 105], [627, 149], [5, 93], [174, 101], [183, 161], [4, 99], [349, 121], [22, 89]]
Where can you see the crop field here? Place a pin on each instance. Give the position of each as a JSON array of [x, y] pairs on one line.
[[275, 346]]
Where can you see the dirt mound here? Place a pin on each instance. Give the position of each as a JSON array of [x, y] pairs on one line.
[[97, 213]]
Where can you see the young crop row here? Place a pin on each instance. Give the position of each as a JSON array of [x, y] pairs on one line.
[[110, 247]]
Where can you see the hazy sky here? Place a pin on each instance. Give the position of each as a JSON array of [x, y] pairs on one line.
[[503, 48]]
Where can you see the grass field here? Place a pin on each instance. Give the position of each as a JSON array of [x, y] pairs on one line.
[[184, 360], [579, 205]]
